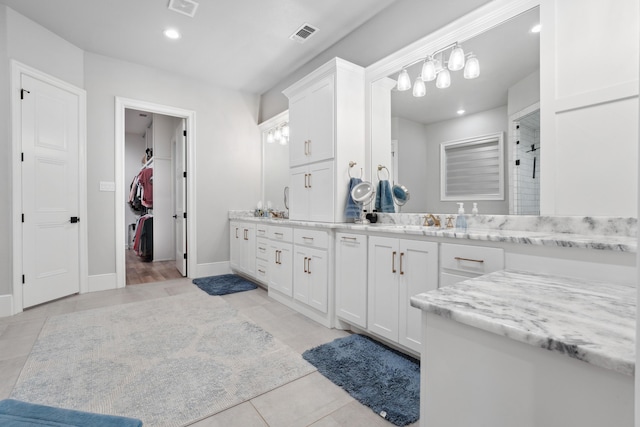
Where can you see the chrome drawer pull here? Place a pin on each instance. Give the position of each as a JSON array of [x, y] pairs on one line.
[[468, 259], [349, 238]]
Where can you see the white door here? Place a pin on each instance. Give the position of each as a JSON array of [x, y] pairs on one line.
[[50, 192], [180, 191]]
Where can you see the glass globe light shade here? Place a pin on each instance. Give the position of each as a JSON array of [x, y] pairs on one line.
[[456, 59], [277, 134], [270, 138], [285, 130], [404, 81], [419, 88], [444, 79], [472, 68], [284, 140], [429, 71]]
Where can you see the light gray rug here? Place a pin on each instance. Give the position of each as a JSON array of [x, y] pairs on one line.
[[168, 361]]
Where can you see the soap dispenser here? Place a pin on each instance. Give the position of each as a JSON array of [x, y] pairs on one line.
[[461, 221]]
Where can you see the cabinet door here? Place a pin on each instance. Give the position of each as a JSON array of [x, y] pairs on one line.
[[298, 130], [418, 270], [248, 256], [279, 270], [383, 286], [351, 278], [317, 272], [320, 185], [299, 193], [300, 276], [235, 231], [321, 114]]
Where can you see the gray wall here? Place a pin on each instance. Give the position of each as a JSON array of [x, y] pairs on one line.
[[483, 123], [402, 23], [32, 45], [412, 162], [134, 146], [524, 93]]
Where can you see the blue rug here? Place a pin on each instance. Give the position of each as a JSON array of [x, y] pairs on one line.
[[14, 413], [224, 284], [377, 376]]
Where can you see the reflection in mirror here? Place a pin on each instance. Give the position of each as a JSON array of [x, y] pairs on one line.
[[400, 194], [275, 161], [507, 85], [362, 194]]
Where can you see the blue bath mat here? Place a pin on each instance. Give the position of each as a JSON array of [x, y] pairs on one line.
[[224, 284], [381, 378]]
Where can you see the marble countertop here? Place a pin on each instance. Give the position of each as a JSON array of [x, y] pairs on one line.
[[586, 320], [541, 236]]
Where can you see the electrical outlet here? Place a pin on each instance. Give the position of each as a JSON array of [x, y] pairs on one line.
[[107, 186]]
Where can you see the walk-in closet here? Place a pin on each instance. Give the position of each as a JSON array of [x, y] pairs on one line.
[[155, 197]]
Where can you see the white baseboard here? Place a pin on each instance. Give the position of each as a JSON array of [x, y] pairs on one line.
[[6, 305], [102, 282], [211, 269]]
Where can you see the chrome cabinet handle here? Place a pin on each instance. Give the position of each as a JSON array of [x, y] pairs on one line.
[[401, 256], [468, 259], [349, 238]]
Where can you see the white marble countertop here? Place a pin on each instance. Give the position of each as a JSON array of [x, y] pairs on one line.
[[544, 237], [590, 321]]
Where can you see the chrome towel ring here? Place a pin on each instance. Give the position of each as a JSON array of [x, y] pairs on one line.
[[380, 167], [351, 165]]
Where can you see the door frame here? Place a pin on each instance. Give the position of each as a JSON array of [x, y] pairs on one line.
[[17, 70], [120, 180]]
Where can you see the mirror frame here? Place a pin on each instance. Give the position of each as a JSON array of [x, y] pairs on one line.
[[468, 26]]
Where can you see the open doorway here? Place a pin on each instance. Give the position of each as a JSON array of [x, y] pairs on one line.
[[173, 212], [154, 154]]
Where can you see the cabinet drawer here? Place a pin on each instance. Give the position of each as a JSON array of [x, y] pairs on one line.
[[261, 270], [315, 238], [283, 234], [447, 279], [476, 260], [262, 230], [262, 248]]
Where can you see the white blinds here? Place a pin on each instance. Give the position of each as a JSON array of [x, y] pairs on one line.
[[473, 169]]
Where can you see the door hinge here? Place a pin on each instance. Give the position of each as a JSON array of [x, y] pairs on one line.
[[185, 215], [22, 217], [23, 279], [184, 174], [518, 162], [185, 256], [184, 133], [22, 157], [22, 92]]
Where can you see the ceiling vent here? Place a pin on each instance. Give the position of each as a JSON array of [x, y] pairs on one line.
[[303, 33], [185, 7]]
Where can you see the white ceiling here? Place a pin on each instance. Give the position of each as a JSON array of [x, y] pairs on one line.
[[239, 44], [507, 54]]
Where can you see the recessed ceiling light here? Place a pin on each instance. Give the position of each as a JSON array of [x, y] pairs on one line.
[[460, 112], [536, 28], [172, 33]]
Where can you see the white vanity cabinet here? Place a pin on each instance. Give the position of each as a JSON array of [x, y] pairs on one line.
[[280, 260], [242, 239], [311, 192], [397, 270], [311, 114], [326, 122], [311, 268], [351, 278]]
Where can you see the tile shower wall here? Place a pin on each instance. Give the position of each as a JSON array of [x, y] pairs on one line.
[[527, 178]]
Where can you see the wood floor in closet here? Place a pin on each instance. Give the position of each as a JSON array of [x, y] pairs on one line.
[[139, 271]]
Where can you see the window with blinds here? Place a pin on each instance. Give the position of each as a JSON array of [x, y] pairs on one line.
[[472, 169]]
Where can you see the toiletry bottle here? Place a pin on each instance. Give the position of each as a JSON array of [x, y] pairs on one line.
[[474, 211], [461, 221]]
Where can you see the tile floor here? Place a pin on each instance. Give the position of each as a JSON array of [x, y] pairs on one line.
[[309, 401]]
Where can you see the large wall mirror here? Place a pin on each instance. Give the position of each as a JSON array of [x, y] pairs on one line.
[[407, 132], [275, 160]]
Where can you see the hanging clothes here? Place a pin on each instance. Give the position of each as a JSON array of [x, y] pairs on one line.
[[143, 242]]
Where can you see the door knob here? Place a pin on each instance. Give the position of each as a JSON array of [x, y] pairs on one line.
[[175, 216]]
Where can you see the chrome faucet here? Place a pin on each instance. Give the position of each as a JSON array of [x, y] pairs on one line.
[[428, 218]]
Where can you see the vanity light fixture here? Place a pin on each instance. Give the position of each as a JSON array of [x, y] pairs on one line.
[[434, 67], [172, 33], [278, 133], [460, 112]]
